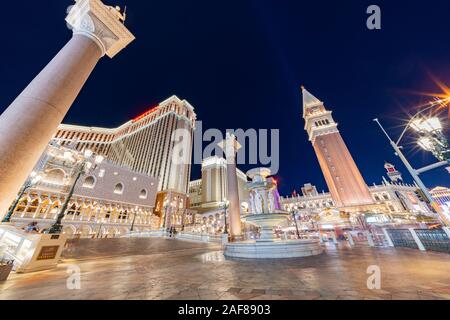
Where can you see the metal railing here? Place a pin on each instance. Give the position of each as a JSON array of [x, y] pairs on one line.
[[402, 238], [434, 240]]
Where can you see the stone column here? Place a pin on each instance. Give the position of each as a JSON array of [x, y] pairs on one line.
[[231, 146], [29, 123]]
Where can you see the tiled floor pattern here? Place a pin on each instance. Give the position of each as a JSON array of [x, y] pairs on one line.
[[171, 269]]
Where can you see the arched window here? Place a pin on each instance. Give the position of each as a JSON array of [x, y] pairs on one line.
[[55, 176], [385, 196], [22, 204], [118, 189], [33, 205], [143, 194], [89, 182], [377, 198]]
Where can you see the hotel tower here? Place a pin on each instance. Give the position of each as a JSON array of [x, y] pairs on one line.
[[145, 144], [345, 182]]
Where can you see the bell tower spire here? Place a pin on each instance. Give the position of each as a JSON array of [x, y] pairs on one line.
[[345, 182], [318, 120]]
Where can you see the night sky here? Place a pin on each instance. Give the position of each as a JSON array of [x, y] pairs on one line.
[[240, 63]]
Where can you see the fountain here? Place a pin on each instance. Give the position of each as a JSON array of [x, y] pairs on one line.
[[266, 213]]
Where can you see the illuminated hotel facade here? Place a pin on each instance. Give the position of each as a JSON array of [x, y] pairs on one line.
[[208, 195], [107, 202], [144, 144], [210, 192]]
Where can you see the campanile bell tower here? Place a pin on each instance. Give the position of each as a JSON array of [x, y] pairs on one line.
[[345, 182]]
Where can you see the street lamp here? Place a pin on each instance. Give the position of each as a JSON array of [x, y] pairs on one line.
[[295, 220], [225, 206], [422, 125], [432, 138], [82, 166], [134, 217], [102, 222], [31, 181], [166, 206]]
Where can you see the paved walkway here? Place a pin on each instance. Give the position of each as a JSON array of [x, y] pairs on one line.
[[172, 269]]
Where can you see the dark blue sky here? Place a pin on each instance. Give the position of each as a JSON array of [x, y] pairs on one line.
[[240, 63]]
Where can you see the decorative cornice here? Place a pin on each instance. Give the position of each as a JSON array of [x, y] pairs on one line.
[[314, 133], [101, 23]]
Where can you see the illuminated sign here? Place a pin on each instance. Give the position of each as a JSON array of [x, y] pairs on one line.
[[146, 113], [48, 253]]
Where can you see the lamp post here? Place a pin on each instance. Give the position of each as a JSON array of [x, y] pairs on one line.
[[134, 218], [225, 206], [165, 215], [82, 166], [183, 217], [102, 222], [422, 124], [35, 178], [295, 220]]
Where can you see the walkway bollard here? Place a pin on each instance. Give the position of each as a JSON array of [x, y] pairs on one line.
[[350, 239], [370, 239]]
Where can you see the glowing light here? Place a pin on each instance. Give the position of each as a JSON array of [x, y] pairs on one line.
[[146, 113], [428, 125], [99, 159], [426, 143], [88, 153]]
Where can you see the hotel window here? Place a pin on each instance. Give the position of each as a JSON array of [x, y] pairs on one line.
[[143, 194]]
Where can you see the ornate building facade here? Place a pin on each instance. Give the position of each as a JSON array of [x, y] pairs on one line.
[[441, 195], [397, 203], [145, 144], [107, 202]]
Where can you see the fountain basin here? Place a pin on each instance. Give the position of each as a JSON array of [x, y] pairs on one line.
[[273, 250], [268, 246], [267, 221]]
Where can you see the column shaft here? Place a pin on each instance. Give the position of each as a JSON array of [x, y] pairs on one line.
[[233, 197], [29, 123]]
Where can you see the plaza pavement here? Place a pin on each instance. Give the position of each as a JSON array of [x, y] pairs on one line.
[[172, 269]]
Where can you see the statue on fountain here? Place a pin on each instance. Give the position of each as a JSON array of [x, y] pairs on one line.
[[266, 213], [265, 210]]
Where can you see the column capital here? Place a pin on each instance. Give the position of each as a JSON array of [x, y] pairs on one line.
[[230, 146], [101, 23]]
